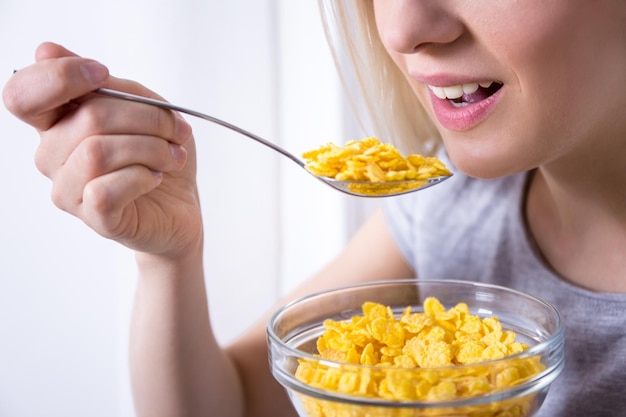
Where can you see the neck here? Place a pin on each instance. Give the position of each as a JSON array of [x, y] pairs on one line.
[[577, 214]]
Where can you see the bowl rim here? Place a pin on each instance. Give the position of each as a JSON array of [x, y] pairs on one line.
[[539, 381]]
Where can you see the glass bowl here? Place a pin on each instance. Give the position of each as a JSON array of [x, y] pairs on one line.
[[293, 330]]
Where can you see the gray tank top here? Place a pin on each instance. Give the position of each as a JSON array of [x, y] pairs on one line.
[[474, 230]]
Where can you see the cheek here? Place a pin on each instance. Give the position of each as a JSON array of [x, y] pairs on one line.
[[418, 89], [558, 97], [568, 98]]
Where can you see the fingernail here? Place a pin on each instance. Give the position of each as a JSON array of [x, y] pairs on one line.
[[178, 153], [94, 72]]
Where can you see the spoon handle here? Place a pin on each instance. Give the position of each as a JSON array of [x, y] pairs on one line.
[[169, 106]]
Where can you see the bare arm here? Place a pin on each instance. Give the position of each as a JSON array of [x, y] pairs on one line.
[[371, 255], [177, 367], [128, 172]]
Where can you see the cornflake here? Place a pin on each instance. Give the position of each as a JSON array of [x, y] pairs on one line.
[[369, 160], [417, 357]]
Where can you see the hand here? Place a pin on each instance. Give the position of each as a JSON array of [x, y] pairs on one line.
[[125, 169]]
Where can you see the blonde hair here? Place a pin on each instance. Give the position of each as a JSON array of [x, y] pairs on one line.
[[390, 105]]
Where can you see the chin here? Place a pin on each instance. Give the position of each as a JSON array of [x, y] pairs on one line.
[[484, 166]]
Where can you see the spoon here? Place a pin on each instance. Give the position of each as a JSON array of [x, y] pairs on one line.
[[355, 188]]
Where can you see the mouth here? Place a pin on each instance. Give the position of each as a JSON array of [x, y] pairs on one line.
[[461, 95], [461, 107]]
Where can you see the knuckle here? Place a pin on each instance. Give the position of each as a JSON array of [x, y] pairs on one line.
[[99, 211], [56, 75], [92, 156], [42, 162], [61, 75], [90, 115], [97, 200], [60, 198], [55, 79]]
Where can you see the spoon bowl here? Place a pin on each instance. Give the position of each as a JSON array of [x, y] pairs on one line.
[[355, 188]]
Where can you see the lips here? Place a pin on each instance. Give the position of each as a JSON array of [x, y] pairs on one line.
[[463, 106]]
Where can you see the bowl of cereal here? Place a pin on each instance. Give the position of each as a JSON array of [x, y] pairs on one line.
[[416, 348]]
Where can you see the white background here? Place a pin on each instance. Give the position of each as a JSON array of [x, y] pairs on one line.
[[66, 293]]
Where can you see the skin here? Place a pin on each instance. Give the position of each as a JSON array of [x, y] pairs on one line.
[[558, 111], [132, 179]]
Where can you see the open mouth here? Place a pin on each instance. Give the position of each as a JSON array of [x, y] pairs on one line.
[[461, 95]]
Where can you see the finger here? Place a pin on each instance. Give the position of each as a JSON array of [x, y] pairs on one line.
[[42, 93], [50, 50], [104, 116], [99, 156], [119, 116], [109, 203]]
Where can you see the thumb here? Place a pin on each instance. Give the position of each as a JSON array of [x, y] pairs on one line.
[[42, 93], [49, 50]]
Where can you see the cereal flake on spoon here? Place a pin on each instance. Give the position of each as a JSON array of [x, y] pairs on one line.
[[375, 166]]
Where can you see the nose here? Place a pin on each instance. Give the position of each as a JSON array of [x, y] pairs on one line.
[[406, 26]]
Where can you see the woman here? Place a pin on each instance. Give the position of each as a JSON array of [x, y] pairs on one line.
[[522, 97]]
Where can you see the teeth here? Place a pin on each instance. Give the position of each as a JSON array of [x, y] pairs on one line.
[[470, 88], [453, 92], [438, 91]]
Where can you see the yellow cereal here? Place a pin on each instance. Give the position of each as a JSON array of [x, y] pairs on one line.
[[369, 160], [415, 357]]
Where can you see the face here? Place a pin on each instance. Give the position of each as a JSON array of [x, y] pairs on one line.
[[513, 84]]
